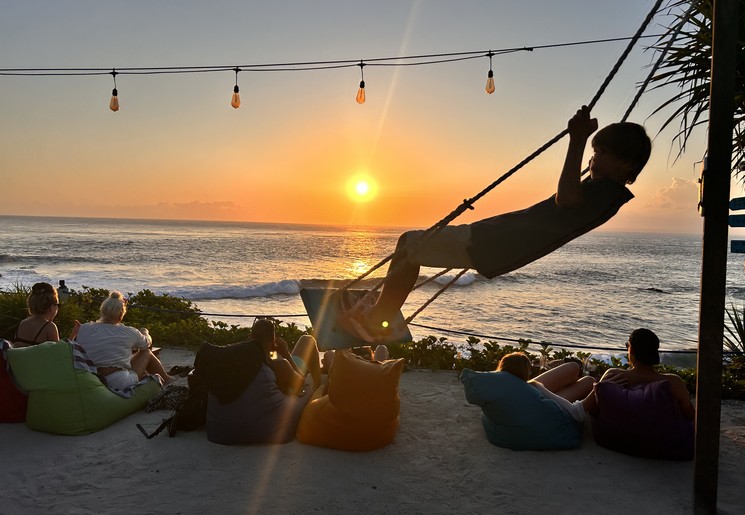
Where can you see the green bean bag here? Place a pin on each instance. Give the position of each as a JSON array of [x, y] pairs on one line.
[[65, 400], [516, 415]]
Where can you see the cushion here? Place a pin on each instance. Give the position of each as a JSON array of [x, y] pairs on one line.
[[360, 411], [65, 400], [261, 414], [642, 420], [12, 401], [516, 415]]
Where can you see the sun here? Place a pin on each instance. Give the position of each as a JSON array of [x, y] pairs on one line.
[[362, 188]]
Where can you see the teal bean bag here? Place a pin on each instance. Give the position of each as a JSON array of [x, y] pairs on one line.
[[65, 400], [516, 415]]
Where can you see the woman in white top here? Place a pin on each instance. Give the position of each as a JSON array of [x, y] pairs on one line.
[[110, 345]]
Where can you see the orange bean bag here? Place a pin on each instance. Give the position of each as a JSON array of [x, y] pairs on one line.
[[360, 410]]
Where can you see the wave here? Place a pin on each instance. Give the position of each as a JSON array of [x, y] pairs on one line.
[[284, 287], [222, 291], [52, 259]]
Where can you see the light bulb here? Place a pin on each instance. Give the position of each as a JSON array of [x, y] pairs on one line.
[[490, 82], [361, 93], [114, 103], [236, 100]]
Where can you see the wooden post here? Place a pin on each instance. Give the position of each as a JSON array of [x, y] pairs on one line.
[[714, 260]]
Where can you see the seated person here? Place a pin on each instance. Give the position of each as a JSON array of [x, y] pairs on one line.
[[643, 355], [38, 327], [562, 384], [110, 344], [268, 409]]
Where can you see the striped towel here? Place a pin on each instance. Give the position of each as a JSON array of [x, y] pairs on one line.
[[80, 359]]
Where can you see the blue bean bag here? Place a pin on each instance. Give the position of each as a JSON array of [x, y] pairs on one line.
[[65, 400], [261, 414], [516, 415], [642, 420]]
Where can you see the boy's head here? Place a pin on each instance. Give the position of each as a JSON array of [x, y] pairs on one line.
[[628, 146], [517, 364], [645, 346]]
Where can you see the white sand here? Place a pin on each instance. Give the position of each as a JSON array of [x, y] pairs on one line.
[[440, 462]]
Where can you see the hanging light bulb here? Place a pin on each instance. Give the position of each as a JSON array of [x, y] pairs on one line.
[[114, 102], [361, 91], [490, 76], [235, 101]]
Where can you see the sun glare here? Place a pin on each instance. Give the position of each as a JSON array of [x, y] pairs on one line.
[[362, 188]]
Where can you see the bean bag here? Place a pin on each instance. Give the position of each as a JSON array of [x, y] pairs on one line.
[[261, 414], [642, 420], [360, 411], [12, 401], [516, 415], [65, 400]]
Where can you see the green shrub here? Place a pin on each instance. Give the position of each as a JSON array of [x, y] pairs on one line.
[[178, 322]]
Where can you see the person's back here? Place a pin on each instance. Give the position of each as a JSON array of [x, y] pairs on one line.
[[38, 327], [643, 354]]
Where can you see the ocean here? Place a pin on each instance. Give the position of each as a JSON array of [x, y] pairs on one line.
[[592, 292]]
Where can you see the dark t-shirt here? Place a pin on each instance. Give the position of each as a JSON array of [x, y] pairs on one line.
[[506, 242]]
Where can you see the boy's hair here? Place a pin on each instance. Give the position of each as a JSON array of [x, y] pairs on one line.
[[645, 345], [113, 308], [627, 141], [262, 330], [42, 297], [517, 364]]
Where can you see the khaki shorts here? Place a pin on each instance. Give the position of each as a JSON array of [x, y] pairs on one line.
[[447, 248]]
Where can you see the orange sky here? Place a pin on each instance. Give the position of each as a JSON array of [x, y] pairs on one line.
[[429, 136]]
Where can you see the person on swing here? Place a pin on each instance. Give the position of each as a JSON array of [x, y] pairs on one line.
[[506, 242]]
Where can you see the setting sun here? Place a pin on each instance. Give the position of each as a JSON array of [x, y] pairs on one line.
[[362, 188]]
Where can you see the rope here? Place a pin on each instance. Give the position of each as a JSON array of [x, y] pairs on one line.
[[423, 326]]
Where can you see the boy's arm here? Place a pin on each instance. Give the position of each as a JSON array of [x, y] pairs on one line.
[[569, 190]]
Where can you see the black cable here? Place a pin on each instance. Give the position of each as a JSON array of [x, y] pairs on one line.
[[436, 58]]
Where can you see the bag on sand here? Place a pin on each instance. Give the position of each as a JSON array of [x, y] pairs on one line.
[[223, 371]]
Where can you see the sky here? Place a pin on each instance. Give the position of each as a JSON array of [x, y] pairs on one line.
[[426, 138]]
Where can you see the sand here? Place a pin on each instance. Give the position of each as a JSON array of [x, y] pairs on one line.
[[440, 462]]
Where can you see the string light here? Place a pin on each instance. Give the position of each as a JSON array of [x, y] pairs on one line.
[[361, 91], [490, 76], [235, 101], [395, 61], [114, 102]]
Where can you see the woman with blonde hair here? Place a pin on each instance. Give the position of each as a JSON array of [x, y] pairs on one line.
[[38, 327], [121, 353]]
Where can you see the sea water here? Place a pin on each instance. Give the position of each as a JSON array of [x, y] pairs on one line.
[[591, 292]]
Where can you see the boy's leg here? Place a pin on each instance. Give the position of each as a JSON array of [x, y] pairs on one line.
[[446, 248]]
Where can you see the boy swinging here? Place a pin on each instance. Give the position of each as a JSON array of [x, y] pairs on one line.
[[506, 242]]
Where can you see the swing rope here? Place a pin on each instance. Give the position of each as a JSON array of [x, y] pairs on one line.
[[676, 32], [468, 203]]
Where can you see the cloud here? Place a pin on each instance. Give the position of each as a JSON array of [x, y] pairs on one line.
[[681, 194]]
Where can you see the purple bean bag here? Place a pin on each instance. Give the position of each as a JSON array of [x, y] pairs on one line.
[[642, 420]]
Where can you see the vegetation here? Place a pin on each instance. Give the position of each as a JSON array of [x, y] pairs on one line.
[[686, 68], [175, 322]]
